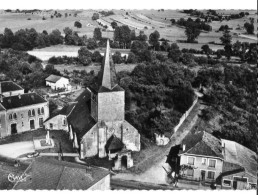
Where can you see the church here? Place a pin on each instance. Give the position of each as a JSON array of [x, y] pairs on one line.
[[97, 122]]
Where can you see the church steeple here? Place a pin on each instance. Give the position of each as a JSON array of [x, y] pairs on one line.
[[108, 71]]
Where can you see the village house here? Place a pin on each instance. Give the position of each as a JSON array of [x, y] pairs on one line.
[[209, 159], [203, 152], [21, 112], [59, 120], [58, 82], [97, 124], [9, 88], [50, 174]]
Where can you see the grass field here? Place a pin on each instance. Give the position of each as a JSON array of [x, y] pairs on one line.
[[70, 68], [136, 19]]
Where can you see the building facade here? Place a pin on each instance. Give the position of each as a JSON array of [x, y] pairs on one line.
[[58, 82], [22, 112]]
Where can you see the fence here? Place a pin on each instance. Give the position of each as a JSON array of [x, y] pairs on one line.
[[185, 115]]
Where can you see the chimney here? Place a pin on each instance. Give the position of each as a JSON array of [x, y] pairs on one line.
[[183, 147], [1, 98], [19, 96], [32, 97]]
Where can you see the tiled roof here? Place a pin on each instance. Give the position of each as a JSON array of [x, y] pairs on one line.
[[237, 154], [7, 86], [114, 143], [80, 118], [53, 78], [202, 143], [49, 174], [22, 100]]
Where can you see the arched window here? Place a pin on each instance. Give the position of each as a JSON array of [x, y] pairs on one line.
[[29, 112], [10, 116], [14, 116], [42, 110], [33, 112], [38, 110]]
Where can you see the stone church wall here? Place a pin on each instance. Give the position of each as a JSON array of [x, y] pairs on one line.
[[111, 106]]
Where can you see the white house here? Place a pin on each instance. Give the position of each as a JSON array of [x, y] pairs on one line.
[[58, 82]]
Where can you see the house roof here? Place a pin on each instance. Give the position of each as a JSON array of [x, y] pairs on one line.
[[53, 78], [49, 174], [114, 143], [202, 143], [22, 100], [235, 153], [80, 119], [7, 86]]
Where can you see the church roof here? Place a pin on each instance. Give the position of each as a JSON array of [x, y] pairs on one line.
[[114, 143], [108, 71]]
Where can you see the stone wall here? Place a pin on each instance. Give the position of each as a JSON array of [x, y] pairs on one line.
[[185, 115], [111, 106]]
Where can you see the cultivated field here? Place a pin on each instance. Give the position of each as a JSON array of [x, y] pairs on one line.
[[135, 19]]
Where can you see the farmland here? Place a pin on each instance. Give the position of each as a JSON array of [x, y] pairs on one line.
[[138, 20]]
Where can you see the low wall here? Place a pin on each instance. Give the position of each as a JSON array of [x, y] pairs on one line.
[[185, 115]]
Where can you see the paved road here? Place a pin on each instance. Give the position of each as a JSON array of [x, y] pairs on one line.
[[17, 149]]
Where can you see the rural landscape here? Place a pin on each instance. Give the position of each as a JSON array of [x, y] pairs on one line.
[[140, 99]]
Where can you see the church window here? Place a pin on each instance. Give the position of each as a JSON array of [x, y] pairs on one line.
[[14, 116]]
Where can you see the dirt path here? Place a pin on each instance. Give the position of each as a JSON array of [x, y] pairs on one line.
[[151, 168]]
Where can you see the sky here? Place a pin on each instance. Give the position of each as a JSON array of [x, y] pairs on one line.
[[128, 4]]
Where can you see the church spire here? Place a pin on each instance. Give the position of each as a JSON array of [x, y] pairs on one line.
[[108, 70]]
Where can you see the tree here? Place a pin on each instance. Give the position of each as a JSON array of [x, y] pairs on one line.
[[96, 57], [84, 56], [7, 39], [92, 44], [97, 34], [249, 27], [131, 58], [95, 16], [206, 49], [228, 51], [138, 46], [142, 36], [226, 38], [192, 32], [55, 37], [122, 34], [165, 46], [174, 52], [117, 58], [154, 39], [114, 24], [77, 24]]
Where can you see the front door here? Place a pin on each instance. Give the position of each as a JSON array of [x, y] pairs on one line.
[[32, 124], [203, 175], [13, 128]]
